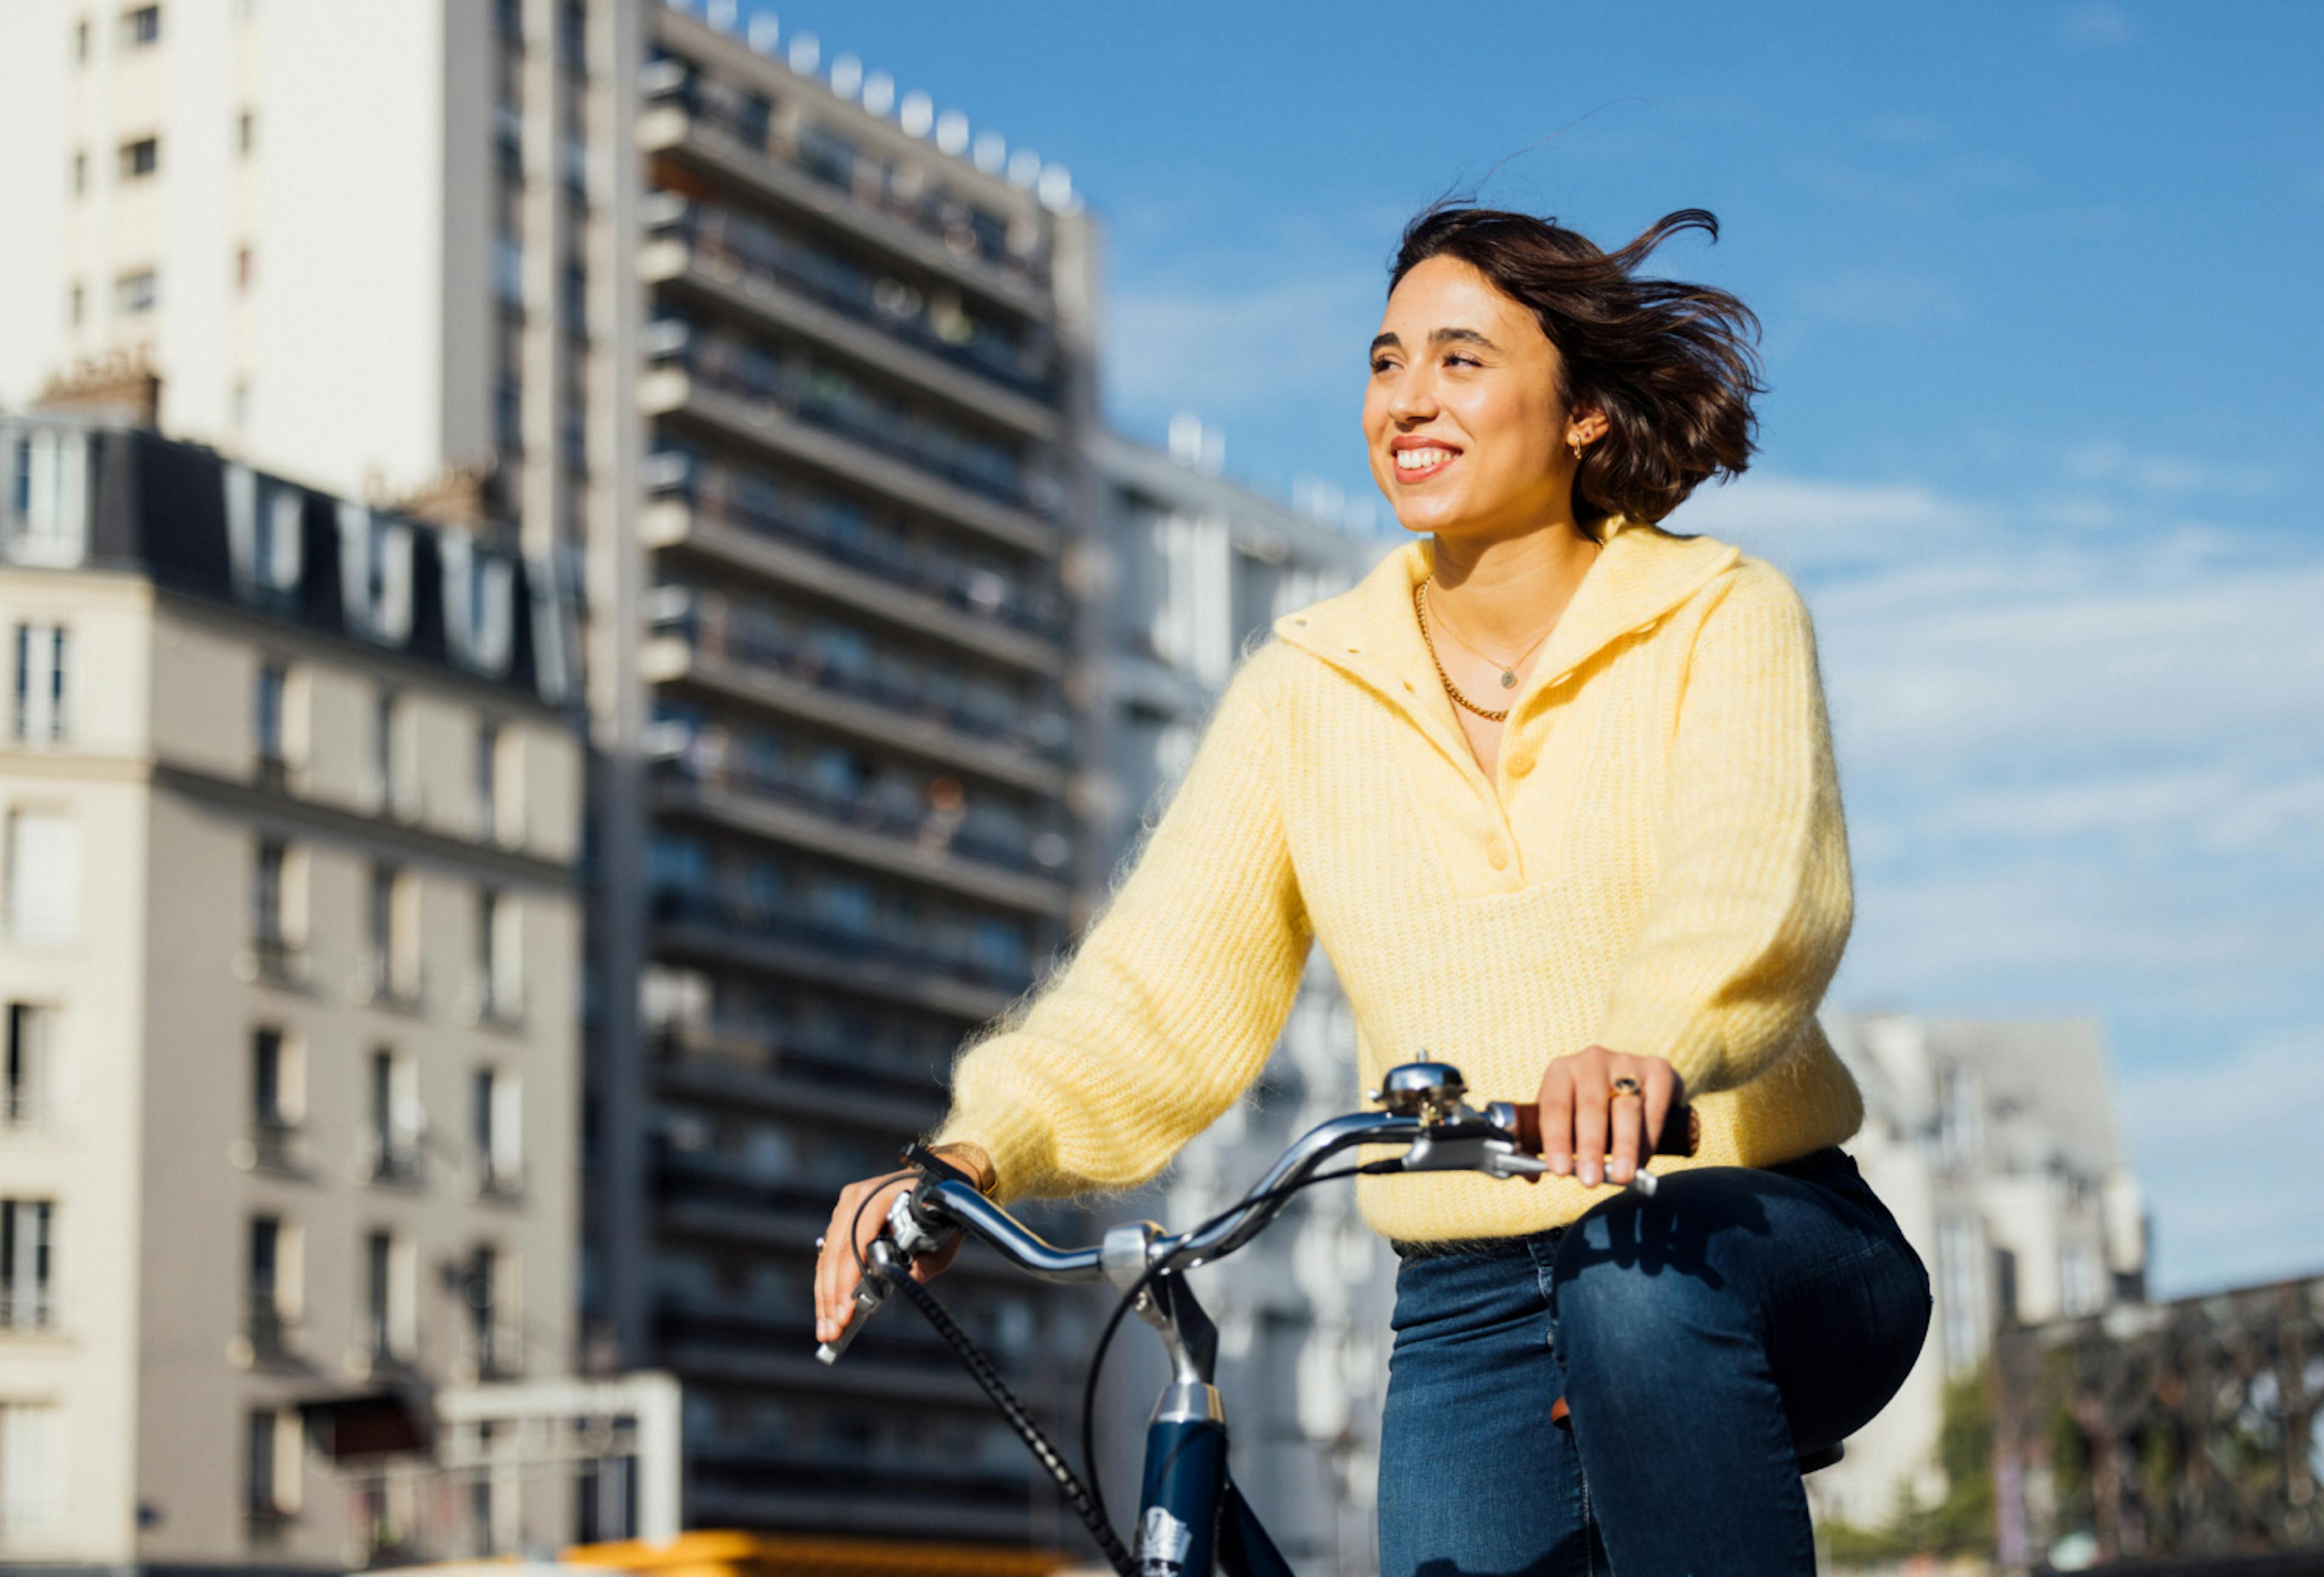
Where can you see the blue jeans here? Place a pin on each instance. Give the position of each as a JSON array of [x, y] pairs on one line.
[[1703, 1340]]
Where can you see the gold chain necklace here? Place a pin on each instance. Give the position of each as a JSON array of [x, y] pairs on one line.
[[1420, 610]]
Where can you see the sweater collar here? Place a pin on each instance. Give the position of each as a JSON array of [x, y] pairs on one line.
[[1369, 632]]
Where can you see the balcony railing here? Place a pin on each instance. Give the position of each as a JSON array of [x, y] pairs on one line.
[[276, 960], [781, 1051], [277, 1145], [756, 1330], [378, 981], [924, 829], [394, 1159], [729, 241], [895, 684], [676, 905], [880, 548], [272, 1333], [966, 231], [28, 1308], [823, 397]]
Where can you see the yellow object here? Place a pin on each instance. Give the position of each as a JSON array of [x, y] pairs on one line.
[[1660, 869], [750, 1554]]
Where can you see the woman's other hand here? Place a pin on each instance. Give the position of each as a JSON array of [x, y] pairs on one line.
[[1582, 1119], [862, 1208]]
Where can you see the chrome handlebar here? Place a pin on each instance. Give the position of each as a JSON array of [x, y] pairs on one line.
[[1425, 1112]]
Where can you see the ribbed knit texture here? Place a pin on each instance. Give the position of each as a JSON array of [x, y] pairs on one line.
[[1660, 868]]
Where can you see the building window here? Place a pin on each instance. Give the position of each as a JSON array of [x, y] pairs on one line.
[[495, 1118], [385, 711], [31, 1483], [488, 779], [510, 16], [137, 291], [266, 921], [508, 412], [27, 1264], [271, 1286], [25, 1101], [268, 708], [77, 303], [277, 1099], [496, 1350], [573, 298], [140, 158], [39, 715], [245, 268], [141, 26], [395, 1119], [79, 173], [508, 272], [80, 41], [44, 876], [245, 133], [388, 1322], [500, 982], [573, 34], [272, 1462]]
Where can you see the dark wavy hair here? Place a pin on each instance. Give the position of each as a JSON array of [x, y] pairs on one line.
[[1672, 365]]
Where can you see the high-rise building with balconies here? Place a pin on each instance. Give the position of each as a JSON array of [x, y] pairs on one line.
[[864, 369]]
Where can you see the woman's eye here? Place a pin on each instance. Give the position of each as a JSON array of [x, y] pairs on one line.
[[1463, 362], [1381, 363]]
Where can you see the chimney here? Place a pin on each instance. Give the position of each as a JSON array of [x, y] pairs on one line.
[[121, 387]]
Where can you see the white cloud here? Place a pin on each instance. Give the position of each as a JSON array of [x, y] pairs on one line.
[[2082, 745], [2227, 1154]]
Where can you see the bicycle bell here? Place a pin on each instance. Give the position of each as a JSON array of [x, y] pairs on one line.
[[1430, 1091]]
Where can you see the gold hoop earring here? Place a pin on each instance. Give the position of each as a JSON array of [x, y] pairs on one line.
[[1577, 448]]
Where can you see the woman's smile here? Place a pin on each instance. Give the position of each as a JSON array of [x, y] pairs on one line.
[[1418, 458]]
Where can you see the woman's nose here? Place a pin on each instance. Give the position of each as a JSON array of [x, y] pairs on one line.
[[1413, 397]]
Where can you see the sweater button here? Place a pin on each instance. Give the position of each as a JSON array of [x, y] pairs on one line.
[[1520, 765], [1498, 852]]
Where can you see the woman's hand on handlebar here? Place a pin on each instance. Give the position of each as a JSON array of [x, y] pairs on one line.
[[862, 1208], [1582, 1119]]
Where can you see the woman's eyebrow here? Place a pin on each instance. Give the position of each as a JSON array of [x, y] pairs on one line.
[[1439, 336]]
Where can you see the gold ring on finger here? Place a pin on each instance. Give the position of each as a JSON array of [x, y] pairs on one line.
[[1626, 1086]]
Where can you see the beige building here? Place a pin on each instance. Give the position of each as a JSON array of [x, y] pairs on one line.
[[288, 942], [1992, 1143]]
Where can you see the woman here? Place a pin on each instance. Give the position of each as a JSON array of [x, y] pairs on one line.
[[1553, 790]]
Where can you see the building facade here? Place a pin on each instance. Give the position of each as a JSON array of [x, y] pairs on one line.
[[864, 712], [1196, 572], [291, 809], [1992, 1143]]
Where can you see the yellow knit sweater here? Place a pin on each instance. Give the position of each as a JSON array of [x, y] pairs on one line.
[[1660, 868]]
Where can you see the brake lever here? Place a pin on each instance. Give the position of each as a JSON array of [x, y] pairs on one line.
[[903, 1240]]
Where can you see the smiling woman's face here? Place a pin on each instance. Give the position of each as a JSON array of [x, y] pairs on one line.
[[1461, 417]]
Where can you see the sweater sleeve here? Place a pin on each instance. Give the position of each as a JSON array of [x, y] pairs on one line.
[[1168, 1009], [1752, 904]]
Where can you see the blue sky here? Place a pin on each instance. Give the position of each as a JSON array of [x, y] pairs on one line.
[[2043, 318]]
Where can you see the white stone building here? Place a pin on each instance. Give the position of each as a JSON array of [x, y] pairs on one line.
[[288, 941], [1992, 1142]]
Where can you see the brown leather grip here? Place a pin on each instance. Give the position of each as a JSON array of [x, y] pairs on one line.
[[1681, 1130]]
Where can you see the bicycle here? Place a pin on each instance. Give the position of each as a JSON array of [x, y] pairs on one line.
[[1193, 1521]]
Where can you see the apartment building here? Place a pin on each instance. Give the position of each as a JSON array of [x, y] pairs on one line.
[[864, 363], [1197, 571], [1992, 1142], [292, 812]]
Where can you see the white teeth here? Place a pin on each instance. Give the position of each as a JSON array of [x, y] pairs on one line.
[[1420, 459]]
